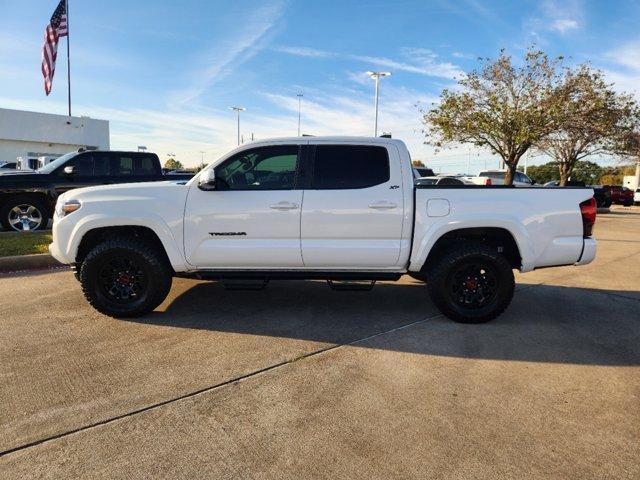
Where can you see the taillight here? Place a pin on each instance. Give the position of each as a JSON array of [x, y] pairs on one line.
[[487, 181], [588, 209]]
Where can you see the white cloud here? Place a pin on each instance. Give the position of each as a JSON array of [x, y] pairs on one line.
[[420, 61], [559, 17], [304, 52], [563, 25], [222, 59]]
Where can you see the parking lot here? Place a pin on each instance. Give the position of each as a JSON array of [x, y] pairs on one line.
[[300, 381]]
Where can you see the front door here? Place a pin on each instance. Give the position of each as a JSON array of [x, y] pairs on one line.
[[252, 219], [353, 210]]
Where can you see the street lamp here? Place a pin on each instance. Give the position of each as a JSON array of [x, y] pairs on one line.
[[376, 77], [238, 110], [299, 95]]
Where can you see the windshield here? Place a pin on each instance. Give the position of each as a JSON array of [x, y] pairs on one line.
[[56, 163]]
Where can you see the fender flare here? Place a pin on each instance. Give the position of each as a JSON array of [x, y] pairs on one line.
[[151, 221], [436, 230]]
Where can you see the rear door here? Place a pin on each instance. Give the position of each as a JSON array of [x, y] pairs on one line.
[[125, 167], [353, 208]]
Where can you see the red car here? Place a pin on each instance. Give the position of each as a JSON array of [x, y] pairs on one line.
[[620, 195]]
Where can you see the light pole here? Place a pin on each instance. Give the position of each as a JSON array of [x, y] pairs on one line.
[[238, 110], [299, 95], [376, 77]]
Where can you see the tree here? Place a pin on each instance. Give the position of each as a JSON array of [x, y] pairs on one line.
[[501, 107], [592, 120], [173, 164], [418, 163], [543, 173]]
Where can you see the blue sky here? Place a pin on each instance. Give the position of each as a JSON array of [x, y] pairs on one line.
[[164, 73]]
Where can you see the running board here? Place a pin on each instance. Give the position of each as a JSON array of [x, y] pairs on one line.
[[341, 285], [264, 275]]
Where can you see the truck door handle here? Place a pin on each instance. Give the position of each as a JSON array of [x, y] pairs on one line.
[[384, 205], [284, 206]]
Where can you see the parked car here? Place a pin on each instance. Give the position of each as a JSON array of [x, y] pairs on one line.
[[496, 177], [420, 172], [626, 197], [243, 218], [7, 166], [442, 180], [602, 196], [27, 199], [620, 195]]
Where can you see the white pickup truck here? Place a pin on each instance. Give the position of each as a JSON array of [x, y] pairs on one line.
[[334, 208]]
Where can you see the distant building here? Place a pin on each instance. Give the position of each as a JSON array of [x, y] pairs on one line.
[[32, 134]]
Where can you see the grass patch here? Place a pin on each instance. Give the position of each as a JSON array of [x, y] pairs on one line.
[[24, 243]]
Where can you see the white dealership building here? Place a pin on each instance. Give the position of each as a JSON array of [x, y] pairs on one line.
[[33, 134]]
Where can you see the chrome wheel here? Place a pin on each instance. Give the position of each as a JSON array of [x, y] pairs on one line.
[[25, 217]]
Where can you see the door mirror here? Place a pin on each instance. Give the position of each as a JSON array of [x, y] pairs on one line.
[[69, 170], [207, 180]]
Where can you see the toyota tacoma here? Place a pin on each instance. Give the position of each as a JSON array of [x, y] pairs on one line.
[[345, 210]]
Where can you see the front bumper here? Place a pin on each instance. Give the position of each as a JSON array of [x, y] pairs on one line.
[[61, 232]]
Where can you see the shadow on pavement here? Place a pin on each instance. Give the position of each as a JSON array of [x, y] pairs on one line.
[[543, 324]]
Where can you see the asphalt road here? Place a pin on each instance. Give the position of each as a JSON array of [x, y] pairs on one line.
[[298, 381]]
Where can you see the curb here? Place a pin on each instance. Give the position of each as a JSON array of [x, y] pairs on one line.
[[39, 261]]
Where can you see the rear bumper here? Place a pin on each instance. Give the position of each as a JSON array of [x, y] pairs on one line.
[[588, 251]]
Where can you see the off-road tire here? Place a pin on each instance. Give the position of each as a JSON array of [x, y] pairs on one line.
[[452, 260], [24, 200], [153, 263]]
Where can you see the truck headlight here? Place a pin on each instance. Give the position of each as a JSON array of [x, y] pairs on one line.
[[67, 207]]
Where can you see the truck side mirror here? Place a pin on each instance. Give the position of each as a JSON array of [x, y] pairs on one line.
[[69, 170], [207, 180]]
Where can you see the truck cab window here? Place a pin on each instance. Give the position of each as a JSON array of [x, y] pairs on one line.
[[339, 167], [83, 165], [267, 168]]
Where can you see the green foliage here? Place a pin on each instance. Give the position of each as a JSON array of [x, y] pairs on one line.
[[594, 119], [24, 243], [567, 113], [502, 107], [173, 164]]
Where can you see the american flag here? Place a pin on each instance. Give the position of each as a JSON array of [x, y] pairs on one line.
[[57, 28]]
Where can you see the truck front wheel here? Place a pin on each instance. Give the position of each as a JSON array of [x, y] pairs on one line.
[[471, 283], [124, 277]]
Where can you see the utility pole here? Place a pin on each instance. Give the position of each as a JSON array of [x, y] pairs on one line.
[[238, 110], [299, 95], [376, 77]]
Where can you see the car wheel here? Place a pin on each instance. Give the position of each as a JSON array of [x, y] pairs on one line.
[[23, 215], [124, 277], [471, 283]]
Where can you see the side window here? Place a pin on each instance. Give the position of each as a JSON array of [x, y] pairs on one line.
[[121, 165], [100, 164], [339, 167], [265, 168], [145, 165], [83, 165]]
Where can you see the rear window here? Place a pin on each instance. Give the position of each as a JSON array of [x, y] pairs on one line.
[[126, 165], [492, 175], [339, 167]]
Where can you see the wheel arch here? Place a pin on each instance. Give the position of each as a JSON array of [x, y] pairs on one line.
[[499, 237], [92, 231]]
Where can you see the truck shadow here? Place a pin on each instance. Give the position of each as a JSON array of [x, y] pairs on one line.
[[543, 324]]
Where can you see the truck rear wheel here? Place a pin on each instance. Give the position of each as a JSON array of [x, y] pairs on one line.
[[124, 277], [471, 283]]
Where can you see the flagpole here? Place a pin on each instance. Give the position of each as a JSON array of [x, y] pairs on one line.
[[68, 57]]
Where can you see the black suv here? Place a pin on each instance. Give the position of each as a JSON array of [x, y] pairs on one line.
[[27, 200]]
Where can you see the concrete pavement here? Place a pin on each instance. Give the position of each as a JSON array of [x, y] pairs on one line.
[[298, 381]]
